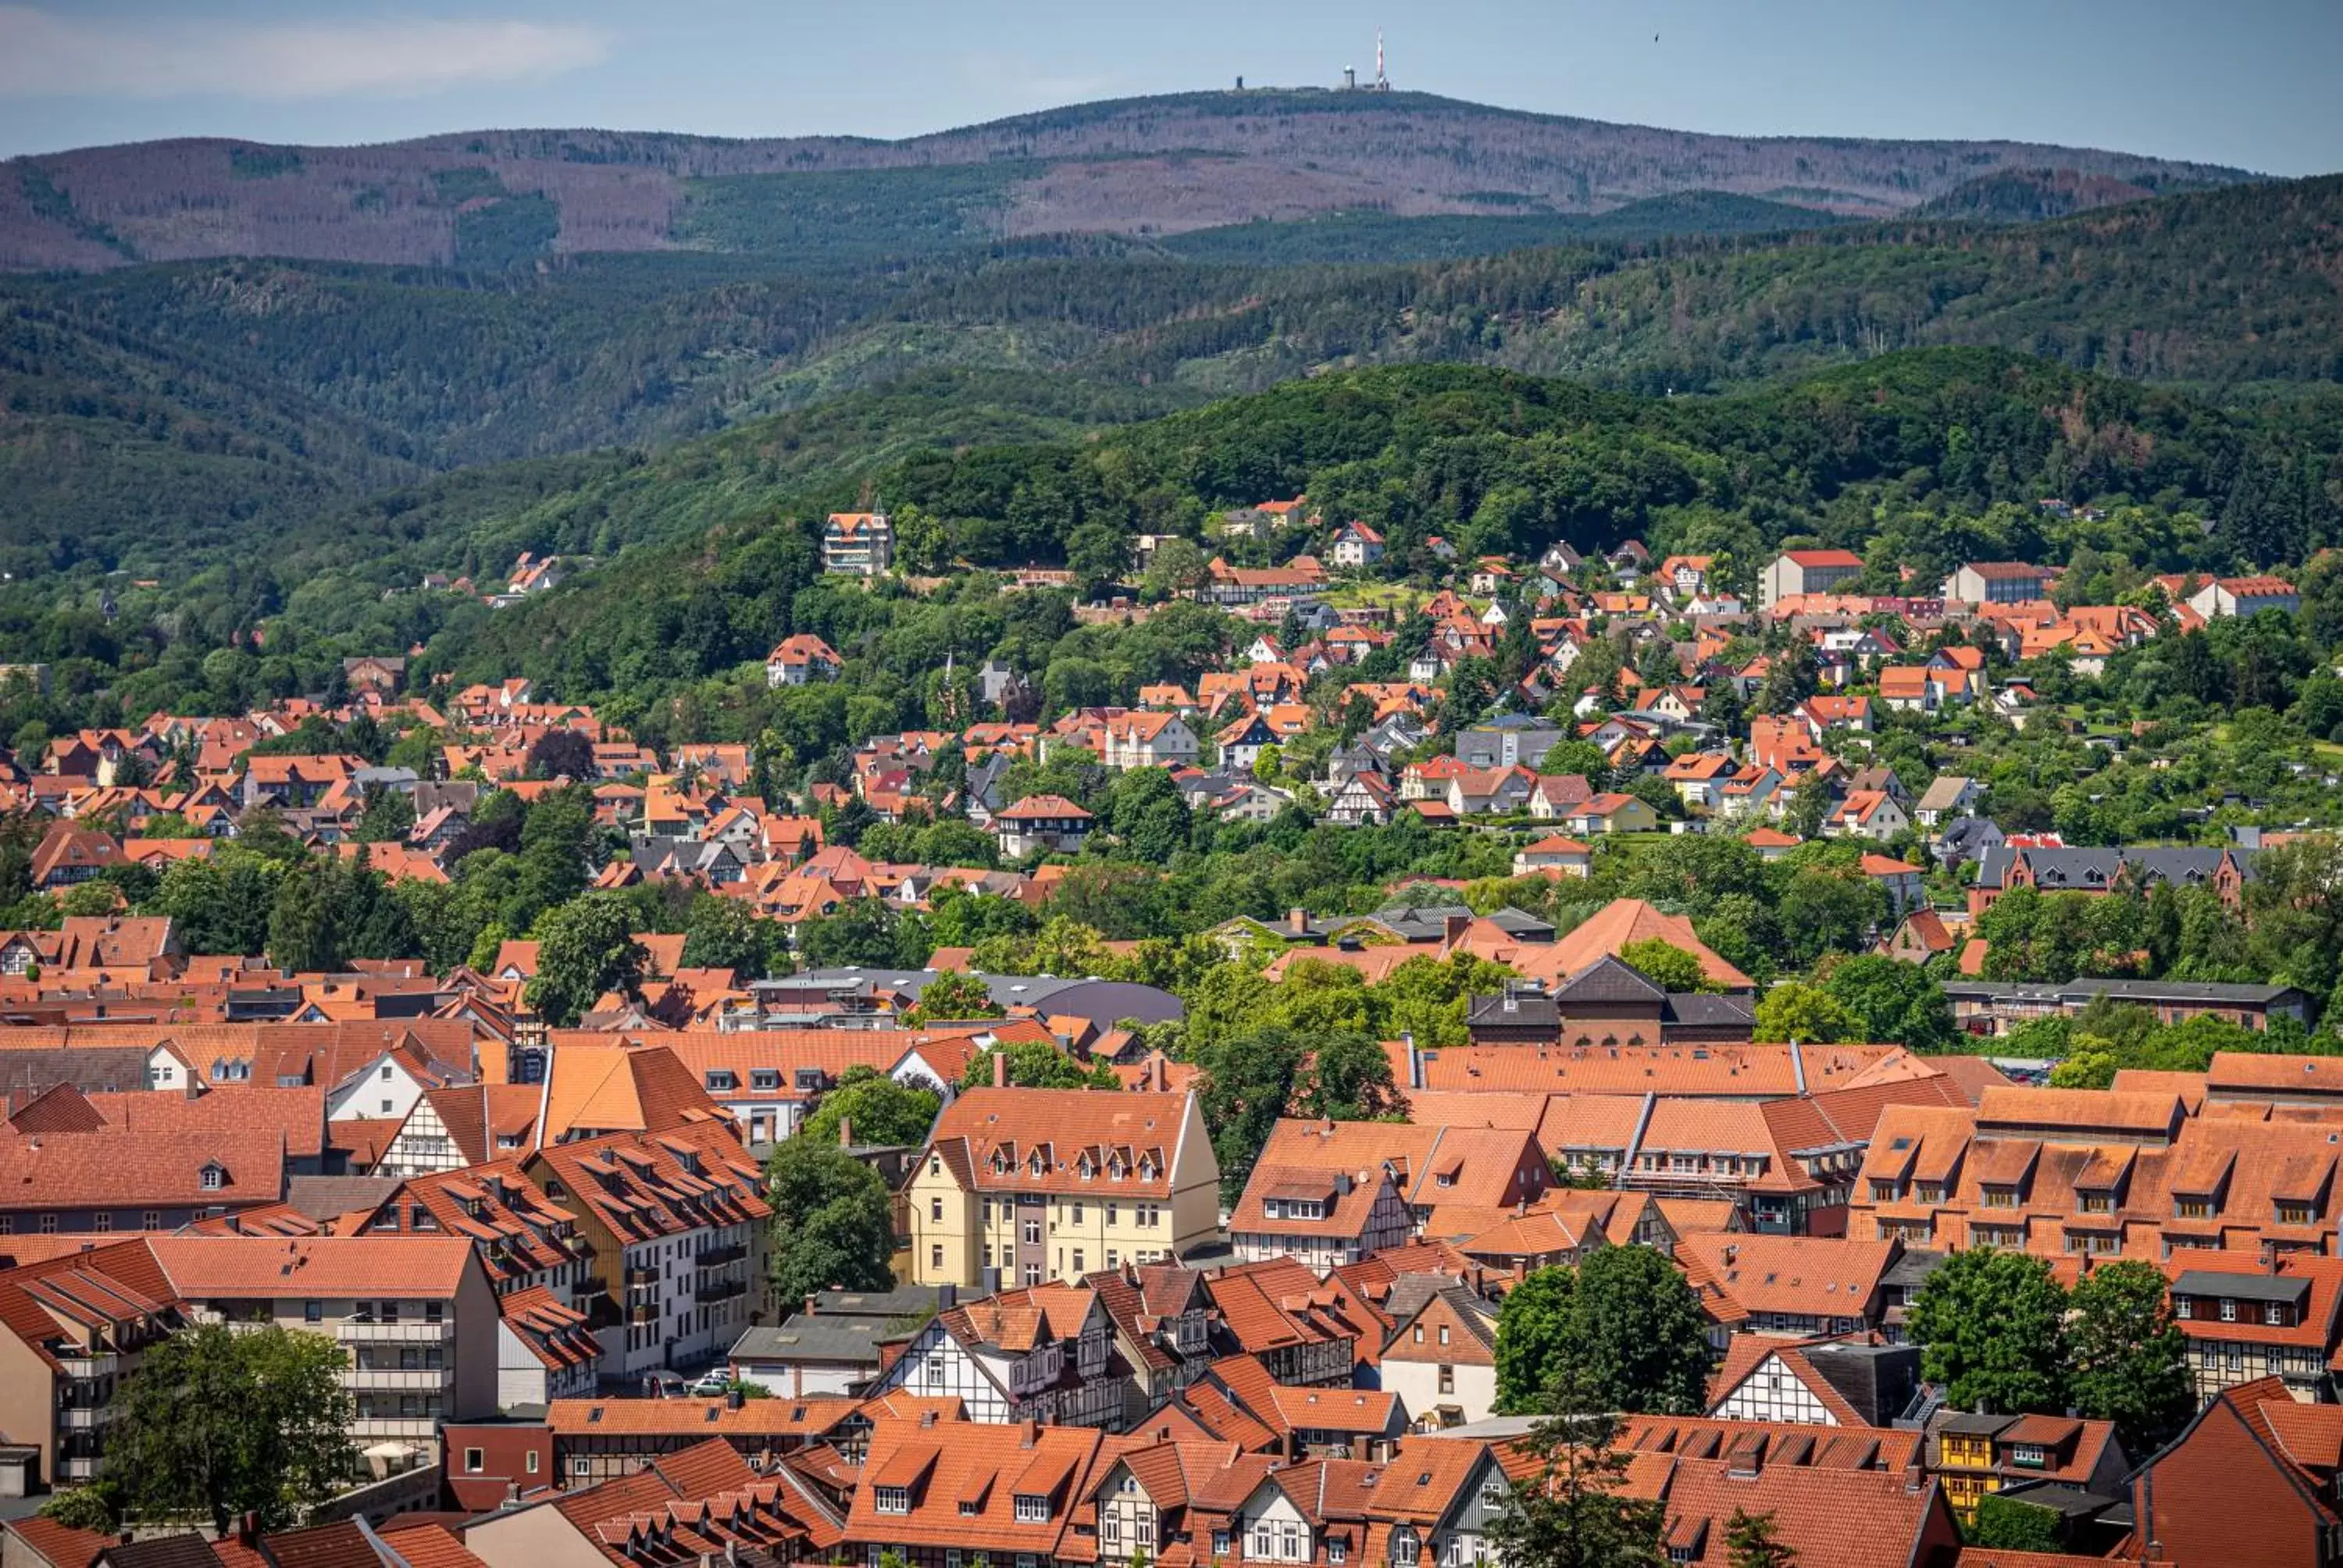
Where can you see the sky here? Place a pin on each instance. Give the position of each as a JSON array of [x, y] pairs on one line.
[[2249, 82]]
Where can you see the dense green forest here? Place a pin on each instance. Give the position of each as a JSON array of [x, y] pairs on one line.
[[166, 418]]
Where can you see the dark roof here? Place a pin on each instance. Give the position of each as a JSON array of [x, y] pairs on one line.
[[1514, 1009], [1522, 924], [815, 1339], [1912, 1268], [2242, 1287], [1710, 1009], [1878, 1380], [1609, 979], [2088, 870]]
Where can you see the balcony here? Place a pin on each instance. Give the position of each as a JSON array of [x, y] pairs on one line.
[[397, 1379], [642, 1276], [405, 1332], [85, 1417], [718, 1257], [421, 1427], [720, 1290], [79, 1467], [102, 1364], [643, 1312]]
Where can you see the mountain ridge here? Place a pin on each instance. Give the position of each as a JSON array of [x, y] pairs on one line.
[[1153, 166]]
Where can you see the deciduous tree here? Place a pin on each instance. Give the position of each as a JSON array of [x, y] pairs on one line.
[[1992, 1327], [220, 1422]]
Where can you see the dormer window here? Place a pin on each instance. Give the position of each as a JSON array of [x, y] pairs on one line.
[[213, 1177], [1032, 1508], [891, 1499]]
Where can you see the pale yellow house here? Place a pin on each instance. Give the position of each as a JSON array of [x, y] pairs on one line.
[[1024, 1186]]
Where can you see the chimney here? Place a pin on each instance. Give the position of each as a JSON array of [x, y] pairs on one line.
[[846, 1132], [1297, 920], [732, 1399], [947, 1296], [1452, 930], [247, 1529], [999, 1069], [811, 1298]]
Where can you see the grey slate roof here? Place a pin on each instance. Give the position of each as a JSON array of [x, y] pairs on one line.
[[1878, 1380]]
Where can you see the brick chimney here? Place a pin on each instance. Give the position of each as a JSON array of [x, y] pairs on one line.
[[1297, 920], [1452, 930], [846, 1132], [1000, 1068]]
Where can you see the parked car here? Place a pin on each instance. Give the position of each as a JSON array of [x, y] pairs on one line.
[[662, 1385], [712, 1383]]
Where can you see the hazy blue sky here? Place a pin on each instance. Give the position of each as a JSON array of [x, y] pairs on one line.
[[2250, 82]]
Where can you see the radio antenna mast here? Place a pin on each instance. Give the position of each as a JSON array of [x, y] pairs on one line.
[[1382, 83]]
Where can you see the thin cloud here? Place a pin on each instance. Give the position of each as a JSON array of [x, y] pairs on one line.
[[44, 55]]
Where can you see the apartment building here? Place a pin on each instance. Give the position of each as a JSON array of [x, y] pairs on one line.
[[416, 1313], [2097, 1173], [71, 1328], [1020, 1186], [861, 544], [2245, 1321], [674, 1225], [1795, 572], [1997, 582]]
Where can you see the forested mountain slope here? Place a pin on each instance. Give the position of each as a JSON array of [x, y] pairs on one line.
[[152, 415], [1134, 166]]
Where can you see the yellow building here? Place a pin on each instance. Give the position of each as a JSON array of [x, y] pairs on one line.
[[1051, 1184]]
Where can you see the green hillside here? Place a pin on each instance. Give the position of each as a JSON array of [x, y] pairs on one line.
[[158, 414]]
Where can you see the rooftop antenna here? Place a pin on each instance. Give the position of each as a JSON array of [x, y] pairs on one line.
[[1382, 83]]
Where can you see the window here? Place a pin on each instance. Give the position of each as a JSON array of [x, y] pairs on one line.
[[1078, 1267], [1032, 1508], [1259, 1546], [152, 1220], [951, 1557], [48, 1224], [474, 1462], [213, 1176], [1447, 1380], [1142, 1529], [1078, 1213], [1338, 1552], [891, 1499], [2193, 1208], [1032, 1232], [102, 1221], [1111, 1528], [1406, 1553], [2272, 1313], [1220, 1542], [2228, 1311], [315, 1312], [1419, 1333], [936, 1256], [530, 1464], [936, 1209], [386, 1072], [1444, 1333], [581, 1466]]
